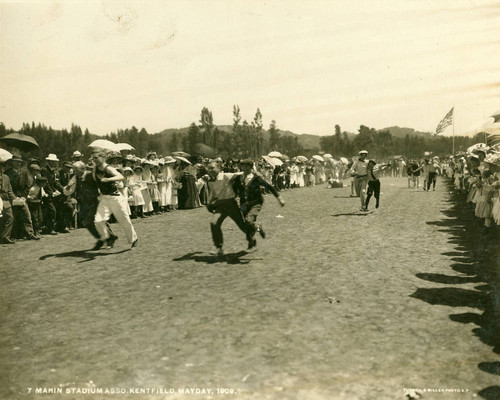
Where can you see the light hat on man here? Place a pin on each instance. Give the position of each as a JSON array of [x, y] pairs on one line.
[[363, 152], [52, 157], [77, 154]]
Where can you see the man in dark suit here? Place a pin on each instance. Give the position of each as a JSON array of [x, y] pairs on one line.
[[63, 208], [21, 184], [53, 190], [6, 216]]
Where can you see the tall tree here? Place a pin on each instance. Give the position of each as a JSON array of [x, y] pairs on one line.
[[274, 136], [206, 125], [193, 137]]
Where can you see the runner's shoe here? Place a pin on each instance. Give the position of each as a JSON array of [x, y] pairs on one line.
[[252, 246], [261, 231], [111, 241], [98, 245], [218, 251]]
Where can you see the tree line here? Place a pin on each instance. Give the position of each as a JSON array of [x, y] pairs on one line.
[[242, 139], [382, 144]]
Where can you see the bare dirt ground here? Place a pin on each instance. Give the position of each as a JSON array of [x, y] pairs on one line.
[[335, 304]]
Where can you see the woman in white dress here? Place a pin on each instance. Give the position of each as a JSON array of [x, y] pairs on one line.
[[136, 186], [146, 177], [153, 188], [161, 179]]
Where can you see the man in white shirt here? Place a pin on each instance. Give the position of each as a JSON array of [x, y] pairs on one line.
[[359, 172], [221, 200]]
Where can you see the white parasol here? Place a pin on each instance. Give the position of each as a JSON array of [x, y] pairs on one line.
[[272, 160], [124, 147], [104, 144], [478, 147], [318, 158], [275, 154], [5, 155]]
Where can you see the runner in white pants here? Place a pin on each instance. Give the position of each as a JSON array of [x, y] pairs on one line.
[[111, 200]]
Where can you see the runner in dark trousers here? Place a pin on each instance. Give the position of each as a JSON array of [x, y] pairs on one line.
[[373, 174], [222, 204], [251, 199]]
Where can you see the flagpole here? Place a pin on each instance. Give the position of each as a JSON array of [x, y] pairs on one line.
[[453, 139]]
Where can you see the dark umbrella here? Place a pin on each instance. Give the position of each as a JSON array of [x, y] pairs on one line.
[[20, 141], [203, 150]]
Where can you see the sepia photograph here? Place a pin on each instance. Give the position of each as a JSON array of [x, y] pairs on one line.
[[249, 199]]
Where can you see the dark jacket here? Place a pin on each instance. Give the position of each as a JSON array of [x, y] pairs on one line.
[[6, 192], [251, 195], [53, 183]]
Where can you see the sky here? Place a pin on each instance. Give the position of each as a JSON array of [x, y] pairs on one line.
[[308, 65]]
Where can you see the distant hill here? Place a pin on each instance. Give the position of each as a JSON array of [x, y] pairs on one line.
[[307, 141], [396, 131]]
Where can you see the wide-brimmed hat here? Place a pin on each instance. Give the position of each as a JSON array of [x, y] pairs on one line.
[[34, 166], [15, 158], [183, 159], [52, 157], [169, 160], [138, 167], [246, 161], [77, 154]]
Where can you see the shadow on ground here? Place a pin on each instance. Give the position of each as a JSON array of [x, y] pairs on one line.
[[229, 258], [87, 255], [354, 214], [477, 256]]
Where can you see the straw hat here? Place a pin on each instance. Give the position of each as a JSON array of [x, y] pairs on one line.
[[52, 157]]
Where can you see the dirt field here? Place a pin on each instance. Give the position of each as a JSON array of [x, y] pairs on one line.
[[335, 304]]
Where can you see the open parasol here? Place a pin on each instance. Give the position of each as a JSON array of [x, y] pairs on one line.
[[104, 144], [318, 158], [272, 160], [302, 158], [344, 160], [478, 147], [5, 155], [275, 154], [124, 147], [20, 141]]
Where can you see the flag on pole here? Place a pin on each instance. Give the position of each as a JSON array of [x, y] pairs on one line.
[[445, 122]]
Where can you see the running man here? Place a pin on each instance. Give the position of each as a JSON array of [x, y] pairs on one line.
[[251, 199], [111, 201], [222, 203]]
